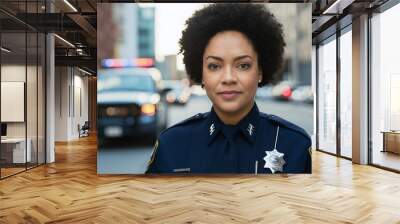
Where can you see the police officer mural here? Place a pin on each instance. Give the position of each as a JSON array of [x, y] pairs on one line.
[[231, 50]]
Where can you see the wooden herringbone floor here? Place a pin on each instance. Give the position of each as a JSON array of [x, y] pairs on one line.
[[70, 191]]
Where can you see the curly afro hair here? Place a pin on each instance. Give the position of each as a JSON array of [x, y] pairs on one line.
[[253, 20]]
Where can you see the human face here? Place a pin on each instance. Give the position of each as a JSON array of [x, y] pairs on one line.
[[231, 74]]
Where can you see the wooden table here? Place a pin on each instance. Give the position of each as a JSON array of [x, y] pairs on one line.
[[391, 141]]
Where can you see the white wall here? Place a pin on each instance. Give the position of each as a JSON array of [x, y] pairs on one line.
[[61, 103], [71, 93]]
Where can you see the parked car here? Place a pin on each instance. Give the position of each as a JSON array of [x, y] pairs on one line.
[[283, 90], [197, 90], [179, 93], [130, 104], [264, 92], [303, 94]]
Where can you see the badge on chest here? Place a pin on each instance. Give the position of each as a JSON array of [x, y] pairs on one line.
[[274, 159]]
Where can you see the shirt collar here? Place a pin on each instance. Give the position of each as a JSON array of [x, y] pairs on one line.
[[248, 125]]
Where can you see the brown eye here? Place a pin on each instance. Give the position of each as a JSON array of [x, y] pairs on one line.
[[212, 66], [244, 66]]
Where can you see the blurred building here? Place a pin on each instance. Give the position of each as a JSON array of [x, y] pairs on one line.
[[107, 32], [126, 18], [130, 32], [168, 67], [297, 67], [146, 22]]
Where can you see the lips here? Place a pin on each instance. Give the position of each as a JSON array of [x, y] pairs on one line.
[[229, 94]]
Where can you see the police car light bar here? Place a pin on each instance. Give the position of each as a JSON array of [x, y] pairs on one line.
[[124, 63]]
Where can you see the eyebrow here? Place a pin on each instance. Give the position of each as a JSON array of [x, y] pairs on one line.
[[237, 58]]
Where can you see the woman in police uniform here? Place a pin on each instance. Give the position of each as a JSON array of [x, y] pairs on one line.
[[231, 50]]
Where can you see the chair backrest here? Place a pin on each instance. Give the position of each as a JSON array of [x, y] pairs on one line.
[[86, 125]]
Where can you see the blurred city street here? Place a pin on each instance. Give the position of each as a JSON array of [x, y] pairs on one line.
[[131, 156]]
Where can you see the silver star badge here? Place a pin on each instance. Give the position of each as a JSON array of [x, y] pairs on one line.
[[212, 129], [274, 160]]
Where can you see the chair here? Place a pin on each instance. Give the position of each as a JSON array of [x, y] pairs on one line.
[[84, 130]]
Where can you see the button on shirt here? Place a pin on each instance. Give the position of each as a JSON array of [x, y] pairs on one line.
[[204, 144]]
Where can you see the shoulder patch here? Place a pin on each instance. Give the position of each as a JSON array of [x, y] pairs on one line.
[[196, 117], [153, 155], [285, 123]]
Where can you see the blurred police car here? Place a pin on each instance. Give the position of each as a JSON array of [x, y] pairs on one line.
[[129, 104]]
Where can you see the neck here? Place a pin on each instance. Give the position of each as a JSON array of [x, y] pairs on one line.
[[234, 117]]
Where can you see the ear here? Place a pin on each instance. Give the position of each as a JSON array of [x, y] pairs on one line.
[[260, 77]]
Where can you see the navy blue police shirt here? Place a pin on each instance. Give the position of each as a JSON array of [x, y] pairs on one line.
[[259, 143]]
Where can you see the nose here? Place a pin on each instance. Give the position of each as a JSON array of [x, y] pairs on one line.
[[228, 76]]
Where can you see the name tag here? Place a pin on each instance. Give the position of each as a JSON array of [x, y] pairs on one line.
[[181, 170]]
